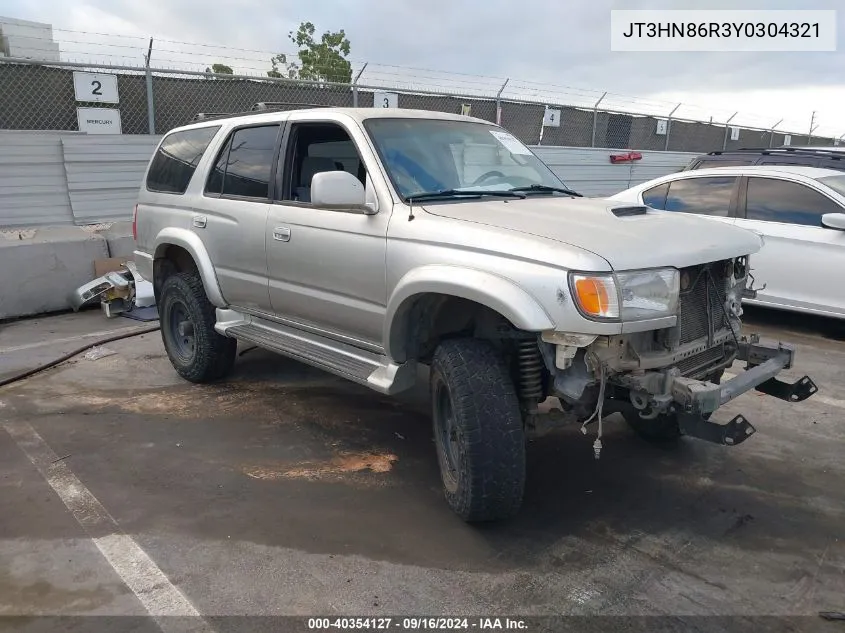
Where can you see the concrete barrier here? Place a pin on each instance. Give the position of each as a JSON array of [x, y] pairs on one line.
[[119, 239], [40, 267]]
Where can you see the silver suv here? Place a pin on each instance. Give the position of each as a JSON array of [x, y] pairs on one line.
[[368, 241]]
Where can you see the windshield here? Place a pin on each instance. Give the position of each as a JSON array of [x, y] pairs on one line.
[[837, 183], [429, 155]]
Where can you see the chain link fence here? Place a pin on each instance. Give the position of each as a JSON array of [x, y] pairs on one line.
[[41, 96]]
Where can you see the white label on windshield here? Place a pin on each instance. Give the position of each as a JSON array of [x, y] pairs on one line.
[[511, 143]]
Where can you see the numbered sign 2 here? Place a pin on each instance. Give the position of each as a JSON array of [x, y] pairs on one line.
[[385, 100], [95, 87], [551, 118]]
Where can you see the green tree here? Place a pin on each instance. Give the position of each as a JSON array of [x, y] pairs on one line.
[[282, 68], [319, 60], [220, 69]]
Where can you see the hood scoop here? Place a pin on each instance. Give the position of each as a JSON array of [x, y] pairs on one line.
[[624, 212]]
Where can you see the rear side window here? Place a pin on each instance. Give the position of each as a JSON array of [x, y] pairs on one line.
[[176, 159], [774, 200], [656, 196], [706, 196], [243, 167]]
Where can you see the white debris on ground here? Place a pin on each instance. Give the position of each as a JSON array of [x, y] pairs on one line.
[[96, 353]]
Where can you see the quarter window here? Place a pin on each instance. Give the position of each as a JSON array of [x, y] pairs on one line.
[[176, 159], [773, 200], [245, 163], [705, 196], [656, 196]]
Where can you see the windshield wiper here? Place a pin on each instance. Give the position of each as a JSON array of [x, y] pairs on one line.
[[461, 193], [547, 189]]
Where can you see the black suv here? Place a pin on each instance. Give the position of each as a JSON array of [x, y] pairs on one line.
[[829, 157]]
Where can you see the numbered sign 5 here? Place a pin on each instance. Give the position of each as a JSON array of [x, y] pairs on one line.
[[96, 87], [385, 100]]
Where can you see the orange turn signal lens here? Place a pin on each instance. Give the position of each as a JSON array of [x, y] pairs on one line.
[[597, 295]]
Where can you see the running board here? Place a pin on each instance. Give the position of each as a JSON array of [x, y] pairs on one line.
[[366, 368]]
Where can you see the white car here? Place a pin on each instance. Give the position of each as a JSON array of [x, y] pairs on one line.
[[800, 211]]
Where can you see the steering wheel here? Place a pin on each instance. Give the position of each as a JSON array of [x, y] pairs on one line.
[[488, 176]]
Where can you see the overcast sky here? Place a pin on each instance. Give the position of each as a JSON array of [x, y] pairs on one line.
[[561, 42]]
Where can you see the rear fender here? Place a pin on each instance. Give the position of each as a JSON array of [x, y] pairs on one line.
[[193, 244]]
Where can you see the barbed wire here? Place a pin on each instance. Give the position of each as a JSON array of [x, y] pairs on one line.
[[87, 47]]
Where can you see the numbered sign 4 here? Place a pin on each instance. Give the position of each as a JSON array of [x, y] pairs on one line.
[[95, 87], [551, 118]]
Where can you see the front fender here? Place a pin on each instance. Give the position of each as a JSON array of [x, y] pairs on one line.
[[491, 290], [193, 244]]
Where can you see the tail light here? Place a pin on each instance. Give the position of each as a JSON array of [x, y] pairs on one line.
[[135, 224]]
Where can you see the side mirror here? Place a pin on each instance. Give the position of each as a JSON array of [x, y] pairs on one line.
[[339, 190], [834, 221]]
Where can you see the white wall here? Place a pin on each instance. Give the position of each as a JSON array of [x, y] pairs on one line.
[[65, 178], [588, 170]]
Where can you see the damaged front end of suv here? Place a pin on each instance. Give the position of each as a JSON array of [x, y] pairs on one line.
[[667, 381]]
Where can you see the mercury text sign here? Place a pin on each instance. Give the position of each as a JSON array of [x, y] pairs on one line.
[[96, 87], [99, 120]]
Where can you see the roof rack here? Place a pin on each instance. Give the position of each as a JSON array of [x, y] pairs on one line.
[[774, 151], [261, 106]]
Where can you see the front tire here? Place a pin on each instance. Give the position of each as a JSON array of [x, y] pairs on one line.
[[478, 431], [197, 352]]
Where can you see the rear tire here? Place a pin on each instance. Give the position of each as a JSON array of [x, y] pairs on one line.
[[196, 351], [478, 431]]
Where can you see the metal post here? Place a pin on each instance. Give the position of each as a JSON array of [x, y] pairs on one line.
[[151, 113], [772, 132], [499, 102], [669, 127], [355, 85], [595, 114], [812, 128], [725, 142]]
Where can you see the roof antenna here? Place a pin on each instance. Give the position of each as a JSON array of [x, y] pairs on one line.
[[410, 209]]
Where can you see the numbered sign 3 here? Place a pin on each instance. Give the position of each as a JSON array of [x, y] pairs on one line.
[[385, 100], [95, 87]]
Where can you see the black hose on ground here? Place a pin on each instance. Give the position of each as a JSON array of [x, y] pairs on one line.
[[69, 355]]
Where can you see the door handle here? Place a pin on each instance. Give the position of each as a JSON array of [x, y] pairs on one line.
[[200, 221], [281, 234]]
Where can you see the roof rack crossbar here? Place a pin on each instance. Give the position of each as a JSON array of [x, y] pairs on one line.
[[774, 151], [257, 108]]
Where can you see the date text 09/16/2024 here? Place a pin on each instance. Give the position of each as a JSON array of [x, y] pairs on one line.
[[418, 623]]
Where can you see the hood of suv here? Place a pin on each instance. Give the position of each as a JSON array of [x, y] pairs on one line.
[[656, 238]]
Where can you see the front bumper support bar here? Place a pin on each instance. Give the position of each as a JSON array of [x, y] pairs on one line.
[[695, 400], [764, 362], [734, 432]]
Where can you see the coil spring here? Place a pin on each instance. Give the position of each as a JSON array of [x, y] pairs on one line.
[[530, 370]]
